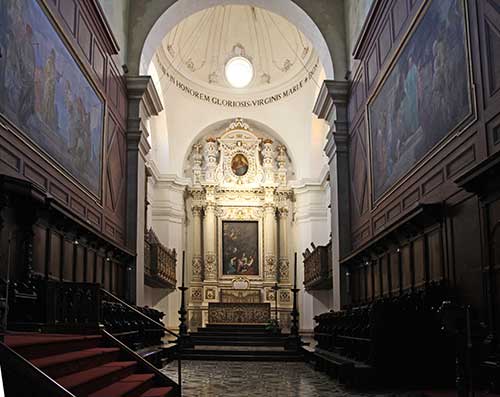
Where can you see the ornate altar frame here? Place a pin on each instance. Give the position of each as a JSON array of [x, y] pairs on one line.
[[219, 193]]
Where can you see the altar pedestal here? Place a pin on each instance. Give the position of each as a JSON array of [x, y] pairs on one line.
[[239, 313]]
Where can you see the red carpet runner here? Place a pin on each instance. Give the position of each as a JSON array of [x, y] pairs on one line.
[[83, 365]]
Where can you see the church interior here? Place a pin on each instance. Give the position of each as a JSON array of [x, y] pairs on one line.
[[249, 197]]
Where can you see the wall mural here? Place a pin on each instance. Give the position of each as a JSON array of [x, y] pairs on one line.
[[424, 97], [44, 92], [240, 248]]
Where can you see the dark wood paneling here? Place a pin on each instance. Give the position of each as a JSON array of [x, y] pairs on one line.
[[467, 252], [462, 246], [410, 264], [493, 227], [433, 180]]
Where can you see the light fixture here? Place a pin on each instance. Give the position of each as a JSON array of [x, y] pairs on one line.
[[239, 71]]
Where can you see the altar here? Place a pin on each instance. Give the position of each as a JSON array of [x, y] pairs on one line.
[[239, 306], [238, 313], [240, 225]]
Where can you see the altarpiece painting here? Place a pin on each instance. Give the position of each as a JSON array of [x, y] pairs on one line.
[[240, 248], [44, 92], [424, 97]]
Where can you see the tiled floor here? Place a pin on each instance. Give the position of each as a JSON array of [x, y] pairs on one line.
[[266, 379]]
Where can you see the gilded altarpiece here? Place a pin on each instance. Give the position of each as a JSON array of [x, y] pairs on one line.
[[239, 204]]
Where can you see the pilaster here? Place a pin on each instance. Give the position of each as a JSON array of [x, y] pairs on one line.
[[143, 102], [331, 106]]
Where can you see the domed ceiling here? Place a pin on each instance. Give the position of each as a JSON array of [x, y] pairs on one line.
[[214, 48]]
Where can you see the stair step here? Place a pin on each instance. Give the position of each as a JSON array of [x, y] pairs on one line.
[[130, 386], [60, 365], [237, 336], [233, 331], [200, 341], [239, 352], [229, 356], [157, 392], [33, 346], [91, 380]]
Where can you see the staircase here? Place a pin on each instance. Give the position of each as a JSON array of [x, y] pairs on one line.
[[239, 343], [82, 365]]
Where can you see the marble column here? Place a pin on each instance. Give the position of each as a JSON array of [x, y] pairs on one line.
[[283, 262], [210, 243], [331, 106], [270, 270], [196, 264]]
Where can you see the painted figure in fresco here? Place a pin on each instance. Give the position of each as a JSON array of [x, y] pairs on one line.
[[425, 95], [439, 76], [64, 121], [410, 90], [51, 77], [26, 72]]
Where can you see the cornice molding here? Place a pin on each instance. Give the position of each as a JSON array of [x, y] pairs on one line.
[[332, 93], [144, 89]]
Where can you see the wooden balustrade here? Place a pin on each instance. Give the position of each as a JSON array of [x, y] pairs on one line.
[[159, 263], [318, 267]]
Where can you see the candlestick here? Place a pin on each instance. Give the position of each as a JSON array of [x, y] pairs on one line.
[[295, 271], [184, 340], [183, 266]]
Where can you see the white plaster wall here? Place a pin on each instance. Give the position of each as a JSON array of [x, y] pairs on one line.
[[168, 222], [186, 116], [117, 16], [310, 225]]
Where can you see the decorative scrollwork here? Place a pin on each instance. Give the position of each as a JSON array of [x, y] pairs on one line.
[[239, 313]]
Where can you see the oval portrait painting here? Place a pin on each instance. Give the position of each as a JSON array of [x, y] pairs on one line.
[[239, 164]]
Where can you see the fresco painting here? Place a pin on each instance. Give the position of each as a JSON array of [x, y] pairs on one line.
[[44, 92], [240, 248], [425, 96]]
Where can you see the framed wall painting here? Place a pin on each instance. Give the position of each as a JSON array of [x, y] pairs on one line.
[[424, 96], [47, 96], [240, 249]]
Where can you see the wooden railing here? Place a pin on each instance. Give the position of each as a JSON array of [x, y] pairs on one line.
[[318, 267], [159, 263], [72, 305]]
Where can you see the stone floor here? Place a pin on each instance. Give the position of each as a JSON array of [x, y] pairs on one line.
[[266, 379]]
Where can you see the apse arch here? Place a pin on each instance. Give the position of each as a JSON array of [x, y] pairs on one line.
[[181, 9], [217, 129]]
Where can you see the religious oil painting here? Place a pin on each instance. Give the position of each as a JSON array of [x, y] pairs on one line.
[[239, 164], [425, 96], [240, 248], [44, 92]]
